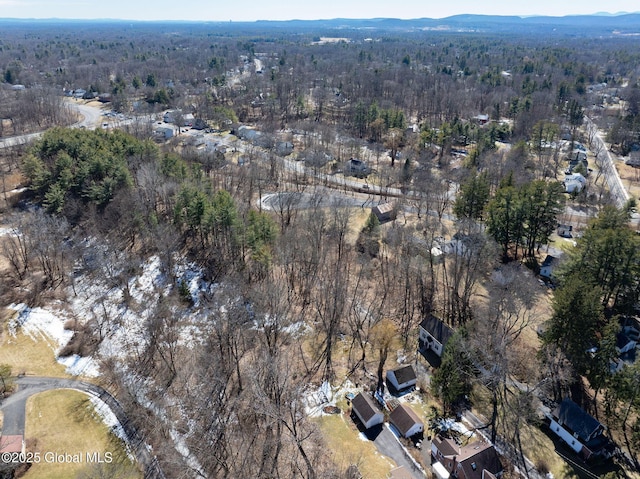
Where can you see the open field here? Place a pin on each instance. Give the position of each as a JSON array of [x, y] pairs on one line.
[[64, 422]]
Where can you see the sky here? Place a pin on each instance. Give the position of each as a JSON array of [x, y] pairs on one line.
[[250, 10]]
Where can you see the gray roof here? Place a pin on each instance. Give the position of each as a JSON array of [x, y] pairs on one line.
[[573, 417], [549, 260], [436, 328], [404, 374]]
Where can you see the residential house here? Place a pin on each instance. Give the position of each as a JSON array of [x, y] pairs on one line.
[[164, 132], [624, 343], [366, 410], [579, 430], [357, 167], [477, 460], [547, 266], [579, 155], [200, 124], [406, 421], [565, 231], [284, 148], [481, 119], [384, 212], [634, 159], [580, 161], [170, 116], [574, 183], [433, 335], [402, 378]]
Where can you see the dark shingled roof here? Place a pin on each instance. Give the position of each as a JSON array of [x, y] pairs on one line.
[[364, 406], [477, 457], [437, 328], [473, 458], [548, 261], [404, 374], [446, 446], [403, 418], [572, 416]]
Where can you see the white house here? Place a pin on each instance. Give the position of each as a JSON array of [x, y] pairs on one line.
[[547, 266], [165, 132], [574, 183], [406, 421], [402, 378], [366, 409], [579, 430], [433, 335]]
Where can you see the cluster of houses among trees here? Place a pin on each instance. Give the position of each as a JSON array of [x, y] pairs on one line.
[[467, 149]]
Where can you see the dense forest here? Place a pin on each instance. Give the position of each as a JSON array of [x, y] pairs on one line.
[[270, 272]]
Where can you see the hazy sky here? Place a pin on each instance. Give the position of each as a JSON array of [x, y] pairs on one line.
[[248, 10]]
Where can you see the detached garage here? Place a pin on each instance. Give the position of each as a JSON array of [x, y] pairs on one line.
[[402, 378], [406, 421], [366, 410]]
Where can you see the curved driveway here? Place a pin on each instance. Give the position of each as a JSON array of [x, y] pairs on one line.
[[14, 408], [90, 118]]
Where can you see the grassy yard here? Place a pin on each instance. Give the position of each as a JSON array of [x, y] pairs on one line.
[[347, 447], [64, 421], [28, 356]]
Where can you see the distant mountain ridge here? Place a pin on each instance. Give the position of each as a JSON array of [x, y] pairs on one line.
[[601, 23]]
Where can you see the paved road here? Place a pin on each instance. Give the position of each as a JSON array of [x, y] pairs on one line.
[[387, 443], [618, 192], [14, 408], [90, 119]]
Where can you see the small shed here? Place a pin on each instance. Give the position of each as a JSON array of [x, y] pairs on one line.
[[366, 410], [406, 421], [402, 378], [384, 212]]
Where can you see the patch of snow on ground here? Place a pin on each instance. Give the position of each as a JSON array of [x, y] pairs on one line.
[[183, 449], [316, 399], [108, 417], [145, 284], [297, 330], [80, 366], [39, 323], [192, 275]]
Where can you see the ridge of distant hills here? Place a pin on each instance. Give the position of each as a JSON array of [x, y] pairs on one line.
[[601, 23]]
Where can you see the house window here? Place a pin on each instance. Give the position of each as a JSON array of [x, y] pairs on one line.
[[474, 466]]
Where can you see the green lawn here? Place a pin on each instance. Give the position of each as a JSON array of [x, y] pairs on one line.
[[63, 427]]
